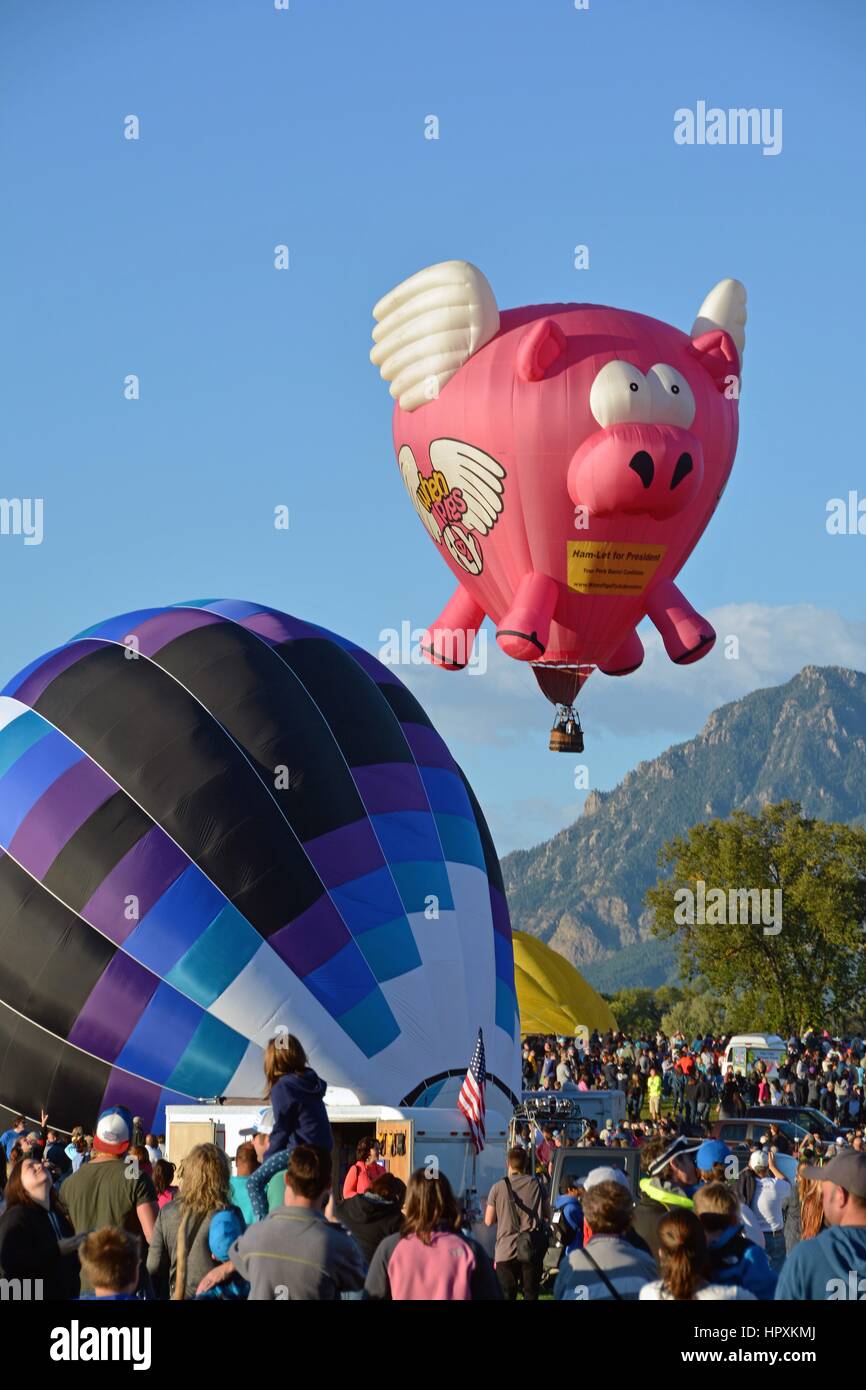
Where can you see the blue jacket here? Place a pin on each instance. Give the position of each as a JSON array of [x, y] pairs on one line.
[[300, 1116], [827, 1268], [734, 1259], [9, 1138], [573, 1213]]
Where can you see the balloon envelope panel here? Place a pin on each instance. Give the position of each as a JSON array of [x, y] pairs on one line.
[[553, 997], [218, 821]]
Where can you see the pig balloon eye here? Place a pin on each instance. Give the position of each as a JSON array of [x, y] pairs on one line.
[[620, 392], [672, 399]]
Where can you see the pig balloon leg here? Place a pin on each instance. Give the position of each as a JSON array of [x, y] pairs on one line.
[[524, 629], [448, 641], [686, 635], [627, 657]]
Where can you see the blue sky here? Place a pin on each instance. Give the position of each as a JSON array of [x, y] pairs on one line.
[[306, 127]]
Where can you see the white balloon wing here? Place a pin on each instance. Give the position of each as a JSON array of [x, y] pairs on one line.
[[428, 326], [478, 478], [411, 480]]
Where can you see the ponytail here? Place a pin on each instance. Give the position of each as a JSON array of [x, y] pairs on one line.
[[682, 1254]]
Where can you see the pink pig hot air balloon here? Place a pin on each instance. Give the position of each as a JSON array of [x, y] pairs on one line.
[[565, 459]]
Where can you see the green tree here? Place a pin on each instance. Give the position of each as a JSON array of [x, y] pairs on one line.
[[697, 1012], [807, 967], [640, 1010]]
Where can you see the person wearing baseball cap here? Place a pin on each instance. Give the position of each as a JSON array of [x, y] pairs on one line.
[[832, 1265], [605, 1173], [764, 1190], [716, 1163], [608, 1265], [273, 1189], [669, 1179], [109, 1191]]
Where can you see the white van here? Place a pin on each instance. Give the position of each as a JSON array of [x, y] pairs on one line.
[[744, 1050]]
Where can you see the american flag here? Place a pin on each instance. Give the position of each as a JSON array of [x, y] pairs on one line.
[[471, 1098]]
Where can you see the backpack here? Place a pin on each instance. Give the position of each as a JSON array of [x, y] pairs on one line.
[[561, 1228], [531, 1244]]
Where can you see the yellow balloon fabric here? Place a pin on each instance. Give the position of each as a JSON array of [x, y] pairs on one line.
[[552, 996]]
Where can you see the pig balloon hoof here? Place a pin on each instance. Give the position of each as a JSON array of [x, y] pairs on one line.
[[520, 646], [525, 628], [627, 658], [684, 654], [686, 635], [442, 649], [448, 642]]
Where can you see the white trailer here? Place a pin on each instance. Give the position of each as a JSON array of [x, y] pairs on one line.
[[416, 1137]]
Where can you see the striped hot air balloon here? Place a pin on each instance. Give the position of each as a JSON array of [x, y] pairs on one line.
[[218, 822]]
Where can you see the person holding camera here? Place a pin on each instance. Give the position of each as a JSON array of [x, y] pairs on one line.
[[518, 1208]]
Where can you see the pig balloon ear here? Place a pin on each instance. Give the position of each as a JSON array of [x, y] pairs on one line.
[[717, 353], [428, 326], [724, 309], [539, 348]]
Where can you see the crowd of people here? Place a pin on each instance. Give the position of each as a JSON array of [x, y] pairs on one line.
[[781, 1216], [820, 1072], [105, 1215], [101, 1216]]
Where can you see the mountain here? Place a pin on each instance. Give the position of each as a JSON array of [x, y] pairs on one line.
[[582, 891]]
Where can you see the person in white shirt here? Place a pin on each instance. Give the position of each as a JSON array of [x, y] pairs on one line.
[[766, 1195], [564, 1072], [154, 1152]]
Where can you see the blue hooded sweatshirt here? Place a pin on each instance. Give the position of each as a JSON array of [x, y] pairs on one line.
[[300, 1116], [829, 1267], [734, 1259]]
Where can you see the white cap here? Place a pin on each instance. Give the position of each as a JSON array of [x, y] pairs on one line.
[[263, 1125], [605, 1173], [759, 1159]]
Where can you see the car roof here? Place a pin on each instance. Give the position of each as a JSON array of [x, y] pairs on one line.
[[777, 1112]]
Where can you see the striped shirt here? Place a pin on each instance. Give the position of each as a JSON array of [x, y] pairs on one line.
[[627, 1268]]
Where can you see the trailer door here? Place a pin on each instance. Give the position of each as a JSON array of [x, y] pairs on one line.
[[396, 1139], [184, 1135]]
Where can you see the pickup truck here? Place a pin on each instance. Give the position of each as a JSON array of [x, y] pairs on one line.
[[571, 1163]]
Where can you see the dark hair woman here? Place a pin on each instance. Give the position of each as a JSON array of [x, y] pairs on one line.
[[430, 1258], [163, 1181], [366, 1168], [142, 1158], [31, 1228]]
